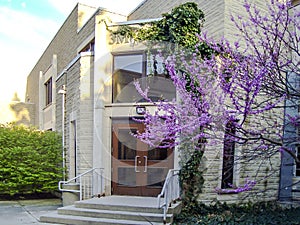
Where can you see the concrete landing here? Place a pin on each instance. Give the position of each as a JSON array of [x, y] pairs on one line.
[[135, 201]]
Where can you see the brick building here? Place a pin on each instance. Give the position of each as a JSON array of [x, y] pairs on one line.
[[82, 87]]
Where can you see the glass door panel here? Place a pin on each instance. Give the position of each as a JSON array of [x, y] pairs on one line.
[[126, 145], [137, 169]]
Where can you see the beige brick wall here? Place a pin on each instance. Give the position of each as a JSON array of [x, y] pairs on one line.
[[86, 113], [64, 45], [213, 10], [217, 13], [235, 8], [78, 80], [260, 165]]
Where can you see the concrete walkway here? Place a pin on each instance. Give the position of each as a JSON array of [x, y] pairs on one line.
[[25, 212]]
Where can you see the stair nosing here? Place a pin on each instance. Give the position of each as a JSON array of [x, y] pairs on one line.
[[57, 216], [123, 212]]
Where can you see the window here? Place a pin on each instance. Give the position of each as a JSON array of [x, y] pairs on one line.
[[48, 87], [228, 156], [127, 68], [89, 47], [149, 71], [298, 164]]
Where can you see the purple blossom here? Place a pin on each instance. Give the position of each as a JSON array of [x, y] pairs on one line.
[[248, 186], [240, 81]]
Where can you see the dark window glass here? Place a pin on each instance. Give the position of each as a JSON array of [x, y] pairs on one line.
[[148, 71], [158, 154], [127, 68], [48, 88], [228, 156], [126, 145], [126, 176], [156, 176], [298, 164]]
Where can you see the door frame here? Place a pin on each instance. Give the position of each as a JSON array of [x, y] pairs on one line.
[[141, 165]]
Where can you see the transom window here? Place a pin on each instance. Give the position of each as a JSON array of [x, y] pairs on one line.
[[149, 71]]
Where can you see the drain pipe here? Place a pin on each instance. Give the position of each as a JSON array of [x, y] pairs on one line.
[[63, 92]]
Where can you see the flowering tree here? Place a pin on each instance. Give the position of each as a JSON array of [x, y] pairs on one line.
[[246, 91]]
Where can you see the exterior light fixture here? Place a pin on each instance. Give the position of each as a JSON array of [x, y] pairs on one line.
[[141, 110]]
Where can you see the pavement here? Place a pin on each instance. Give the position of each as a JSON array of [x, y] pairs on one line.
[[25, 212]]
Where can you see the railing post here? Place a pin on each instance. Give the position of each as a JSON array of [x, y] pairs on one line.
[[80, 188], [87, 183], [101, 182], [170, 191]]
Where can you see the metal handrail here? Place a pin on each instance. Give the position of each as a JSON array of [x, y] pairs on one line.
[[170, 191], [80, 183]]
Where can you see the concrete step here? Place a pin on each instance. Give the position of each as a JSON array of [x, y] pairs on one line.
[[114, 214], [113, 210], [122, 203], [82, 220]]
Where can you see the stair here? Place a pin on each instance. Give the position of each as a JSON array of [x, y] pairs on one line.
[[112, 210]]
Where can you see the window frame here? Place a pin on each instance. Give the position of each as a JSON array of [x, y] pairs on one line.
[[297, 165], [48, 92], [152, 66], [128, 53], [228, 159]]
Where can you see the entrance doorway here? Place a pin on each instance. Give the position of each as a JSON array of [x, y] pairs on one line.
[[137, 168]]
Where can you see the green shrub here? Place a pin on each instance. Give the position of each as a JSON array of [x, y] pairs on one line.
[[30, 160]]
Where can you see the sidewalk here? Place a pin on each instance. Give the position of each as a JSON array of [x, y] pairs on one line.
[[25, 212]]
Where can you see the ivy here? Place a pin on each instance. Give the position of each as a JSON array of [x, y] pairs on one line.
[[191, 180], [256, 214], [181, 27], [30, 160]]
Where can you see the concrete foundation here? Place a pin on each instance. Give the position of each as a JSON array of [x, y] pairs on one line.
[[69, 197]]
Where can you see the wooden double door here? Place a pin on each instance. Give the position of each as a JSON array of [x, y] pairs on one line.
[[137, 168]]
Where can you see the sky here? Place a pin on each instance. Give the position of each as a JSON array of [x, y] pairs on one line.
[[26, 29]]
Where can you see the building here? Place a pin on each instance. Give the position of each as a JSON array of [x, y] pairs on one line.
[[15, 111], [82, 86]]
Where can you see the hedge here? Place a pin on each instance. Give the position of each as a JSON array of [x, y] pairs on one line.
[[30, 160]]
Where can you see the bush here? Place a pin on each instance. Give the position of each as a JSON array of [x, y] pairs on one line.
[[258, 213], [30, 160]]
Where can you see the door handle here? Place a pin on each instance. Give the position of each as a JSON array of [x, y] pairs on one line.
[[135, 164], [146, 164]]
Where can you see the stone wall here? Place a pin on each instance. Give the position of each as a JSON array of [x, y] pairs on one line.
[[65, 45], [217, 13], [250, 163], [213, 10], [78, 80]]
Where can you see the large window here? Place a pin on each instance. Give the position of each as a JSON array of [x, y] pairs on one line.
[[228, 156], [48, 88], [149, 71]]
